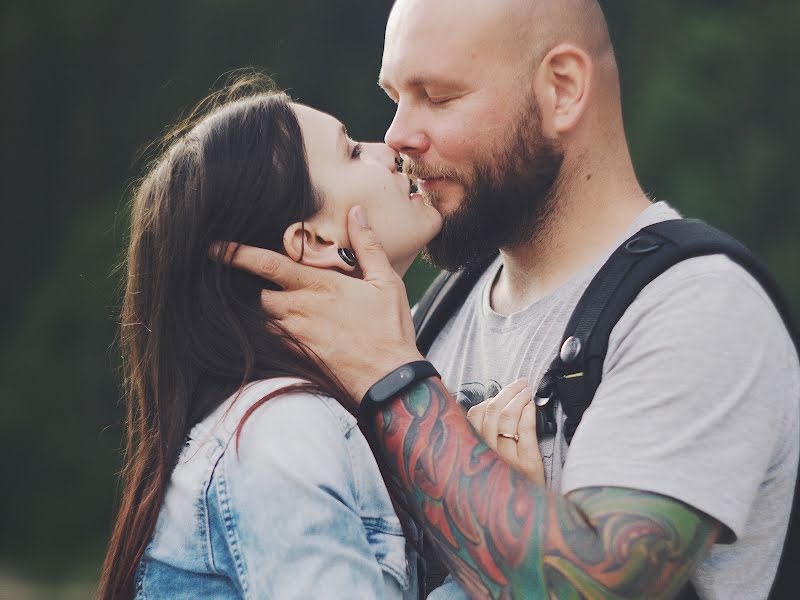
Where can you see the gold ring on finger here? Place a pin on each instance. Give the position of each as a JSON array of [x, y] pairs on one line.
[[509, 436]]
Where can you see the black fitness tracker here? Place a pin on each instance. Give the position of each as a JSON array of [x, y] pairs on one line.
[[391, 385]]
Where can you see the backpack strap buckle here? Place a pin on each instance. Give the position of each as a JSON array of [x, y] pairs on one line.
[[544, 396], [567, 388]]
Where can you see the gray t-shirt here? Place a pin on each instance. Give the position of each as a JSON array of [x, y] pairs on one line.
[[699, 400]]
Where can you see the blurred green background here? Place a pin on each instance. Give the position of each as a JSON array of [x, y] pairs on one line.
[[711, 92]]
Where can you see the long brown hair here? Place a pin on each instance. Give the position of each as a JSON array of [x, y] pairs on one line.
[[192, 330]]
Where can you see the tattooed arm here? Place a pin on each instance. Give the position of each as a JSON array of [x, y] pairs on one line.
[[503, 537]]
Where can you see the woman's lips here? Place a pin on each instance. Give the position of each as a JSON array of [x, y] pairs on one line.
[[428, 185], [417, 197]]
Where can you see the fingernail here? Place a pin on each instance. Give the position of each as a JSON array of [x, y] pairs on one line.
[[215, 249], [361, 217]]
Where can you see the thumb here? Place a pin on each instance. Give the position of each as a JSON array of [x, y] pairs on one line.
[[371, 257]]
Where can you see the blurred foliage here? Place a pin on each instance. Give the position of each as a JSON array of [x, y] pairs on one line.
[[710, 91]]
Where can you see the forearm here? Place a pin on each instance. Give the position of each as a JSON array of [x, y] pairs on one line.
[[503, 536]]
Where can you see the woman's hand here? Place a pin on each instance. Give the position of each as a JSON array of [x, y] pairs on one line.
[[507, 423]]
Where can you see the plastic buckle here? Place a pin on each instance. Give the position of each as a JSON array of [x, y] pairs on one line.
[[642, 244], [546, 420], [545, 394]]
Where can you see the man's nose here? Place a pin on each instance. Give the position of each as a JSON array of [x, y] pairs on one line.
[[382, 155], [405, 135]]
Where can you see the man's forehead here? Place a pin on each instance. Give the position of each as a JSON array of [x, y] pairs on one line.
[[444, 15], [434, 35]]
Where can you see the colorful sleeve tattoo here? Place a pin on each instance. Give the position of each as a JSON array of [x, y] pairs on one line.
[[502, 536]]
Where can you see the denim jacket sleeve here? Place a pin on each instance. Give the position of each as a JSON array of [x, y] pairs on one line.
[[291, 505]]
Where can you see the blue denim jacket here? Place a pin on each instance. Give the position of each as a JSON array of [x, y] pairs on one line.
[[299, 511]]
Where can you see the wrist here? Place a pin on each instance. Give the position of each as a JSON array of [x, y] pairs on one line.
[[386, 390], [380, 368]]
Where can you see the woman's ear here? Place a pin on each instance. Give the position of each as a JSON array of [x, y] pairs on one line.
[[307, 244]]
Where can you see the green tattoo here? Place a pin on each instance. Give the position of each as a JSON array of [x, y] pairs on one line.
[[502, 536]]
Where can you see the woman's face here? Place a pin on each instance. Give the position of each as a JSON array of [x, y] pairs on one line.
[[347, 174]]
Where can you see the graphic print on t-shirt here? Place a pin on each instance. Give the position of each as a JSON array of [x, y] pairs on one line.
[[473, 393]]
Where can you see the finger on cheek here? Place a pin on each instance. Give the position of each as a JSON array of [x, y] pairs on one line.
[[369, 251], [361, 235], [358, 217]]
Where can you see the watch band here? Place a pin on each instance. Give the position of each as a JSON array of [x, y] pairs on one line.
[[393, 384]]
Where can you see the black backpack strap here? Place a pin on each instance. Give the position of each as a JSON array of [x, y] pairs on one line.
[[432, 297], [575, 373], [443, 298]]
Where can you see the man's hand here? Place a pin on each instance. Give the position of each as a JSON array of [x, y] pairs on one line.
[[361, 329]]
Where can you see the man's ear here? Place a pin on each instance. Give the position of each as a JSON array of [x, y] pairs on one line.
[[307, 244], [563, 84]]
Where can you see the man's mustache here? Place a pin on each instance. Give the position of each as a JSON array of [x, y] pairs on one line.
[[419, 170]]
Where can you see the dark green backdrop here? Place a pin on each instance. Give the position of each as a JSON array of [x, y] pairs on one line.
[[710, 90]]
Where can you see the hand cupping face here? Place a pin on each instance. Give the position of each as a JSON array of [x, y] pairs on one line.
[[360, 328], [345, 173]]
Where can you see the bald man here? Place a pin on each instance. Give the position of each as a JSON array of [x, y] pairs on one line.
[[509, 113]]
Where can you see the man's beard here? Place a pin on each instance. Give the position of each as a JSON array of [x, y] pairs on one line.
[[507, 201]]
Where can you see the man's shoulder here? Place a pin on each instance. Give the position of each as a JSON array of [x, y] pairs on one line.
[[701, 361], [705, 283], [714, 267], [706, 320], [708, 296]]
